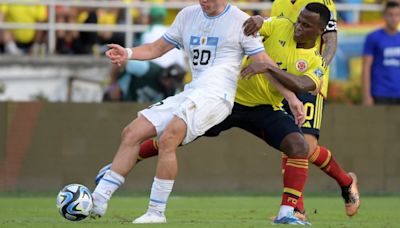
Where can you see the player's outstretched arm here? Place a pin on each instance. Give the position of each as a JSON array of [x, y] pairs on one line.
[[119, 55]]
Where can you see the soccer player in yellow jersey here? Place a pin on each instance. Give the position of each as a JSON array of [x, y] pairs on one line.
[[319, 155], [257, 102]]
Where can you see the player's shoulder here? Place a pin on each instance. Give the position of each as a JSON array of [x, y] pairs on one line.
[[237, 13], [280, 21]]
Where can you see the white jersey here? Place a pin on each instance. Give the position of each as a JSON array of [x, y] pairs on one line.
[[215, 47]]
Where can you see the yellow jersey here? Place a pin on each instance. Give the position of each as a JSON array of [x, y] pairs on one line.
[[19, 13], [291, 10], [280, 45]]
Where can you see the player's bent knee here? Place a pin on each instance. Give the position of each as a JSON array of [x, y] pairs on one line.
[[294, 145]]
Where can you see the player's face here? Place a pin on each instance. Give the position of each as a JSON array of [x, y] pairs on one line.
[[392, 17], [212, 7], [307, 27]]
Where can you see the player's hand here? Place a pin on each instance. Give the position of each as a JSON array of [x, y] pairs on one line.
[[252, 25], [368, 101], [297, 109], [117, 54], [255, 68]]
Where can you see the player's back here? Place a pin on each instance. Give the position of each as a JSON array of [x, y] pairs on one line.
[[215, 46]]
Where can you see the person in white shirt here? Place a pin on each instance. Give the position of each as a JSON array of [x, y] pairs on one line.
[[212, 36]]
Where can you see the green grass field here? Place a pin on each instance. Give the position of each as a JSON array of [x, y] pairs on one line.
[[203, 211]]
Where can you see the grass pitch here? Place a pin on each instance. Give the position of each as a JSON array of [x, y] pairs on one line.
[[203, 211]]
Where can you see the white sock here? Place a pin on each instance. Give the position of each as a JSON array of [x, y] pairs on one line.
[[107, 186], [285, 211], [160, 191]]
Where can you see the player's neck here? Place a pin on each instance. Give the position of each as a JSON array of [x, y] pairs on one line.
[[218, 11], [305, 45]]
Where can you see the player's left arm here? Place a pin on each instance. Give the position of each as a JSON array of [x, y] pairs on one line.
[[329, 37]]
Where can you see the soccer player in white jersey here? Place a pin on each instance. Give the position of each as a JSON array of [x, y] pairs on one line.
[[212, 35]]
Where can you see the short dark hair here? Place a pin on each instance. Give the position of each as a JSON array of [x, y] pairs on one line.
[[322, 10], [391, 4]]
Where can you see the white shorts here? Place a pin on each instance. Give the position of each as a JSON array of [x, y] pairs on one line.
[[199, 109]]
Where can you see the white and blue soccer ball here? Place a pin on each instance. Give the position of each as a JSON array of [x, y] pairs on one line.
[[74, 202]]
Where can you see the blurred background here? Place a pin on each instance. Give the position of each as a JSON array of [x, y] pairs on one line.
[[63, 104]]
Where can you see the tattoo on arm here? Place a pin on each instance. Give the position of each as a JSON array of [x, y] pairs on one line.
[[330, 41]]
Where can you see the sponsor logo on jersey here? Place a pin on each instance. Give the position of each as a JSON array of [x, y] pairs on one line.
[[282, 42], [301, 65]]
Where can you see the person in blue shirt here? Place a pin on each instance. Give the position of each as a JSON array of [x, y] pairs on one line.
[[381, 61]]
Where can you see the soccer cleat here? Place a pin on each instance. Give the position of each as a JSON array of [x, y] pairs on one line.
[[290, 219], [351, 196], [150, 217], [101, 173], [298, 214], [98, 211]]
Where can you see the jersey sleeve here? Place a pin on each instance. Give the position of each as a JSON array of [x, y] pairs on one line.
[[251, 45], [369, 45], [316, 71], [332, 24], [174, 33]]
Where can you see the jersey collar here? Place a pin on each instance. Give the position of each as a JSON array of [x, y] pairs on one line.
[[227, 7]]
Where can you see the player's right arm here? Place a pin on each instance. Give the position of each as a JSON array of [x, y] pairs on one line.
[[120, 55], [296, 106], [288, 80], [171, 39]]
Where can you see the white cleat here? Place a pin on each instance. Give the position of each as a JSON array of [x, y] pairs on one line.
[[98, 210], [150, 217]]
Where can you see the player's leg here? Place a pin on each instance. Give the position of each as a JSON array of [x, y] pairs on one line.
[[167, 169], [150, 122], [323, 158], [280, 131], [191, 120], [123, 162]]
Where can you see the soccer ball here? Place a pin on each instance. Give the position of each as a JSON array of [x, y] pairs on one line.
[[74, 202]]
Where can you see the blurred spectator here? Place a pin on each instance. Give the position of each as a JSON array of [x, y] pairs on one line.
[[144, 81], [66, 39], [348, 16], [130, 84], [381, 61], [19, 41], [110, 16], [75, 42], [156, 30]]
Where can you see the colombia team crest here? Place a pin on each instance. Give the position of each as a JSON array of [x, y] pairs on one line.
[[301, 65]]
